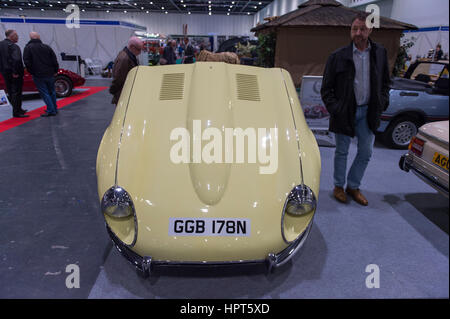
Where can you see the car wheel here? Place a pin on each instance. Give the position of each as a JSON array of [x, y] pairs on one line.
[[400, 132], [63, 86]]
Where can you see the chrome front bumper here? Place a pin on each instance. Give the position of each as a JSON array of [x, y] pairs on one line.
[[406, 163], [144, 265]]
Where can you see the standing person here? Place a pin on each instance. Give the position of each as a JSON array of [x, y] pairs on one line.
[[41, 62], [169, 54], [438, 53], [189, 52], [124, 62], [355, 90], [11, 67]]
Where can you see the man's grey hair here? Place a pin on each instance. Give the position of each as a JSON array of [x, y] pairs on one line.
[[135, 41]]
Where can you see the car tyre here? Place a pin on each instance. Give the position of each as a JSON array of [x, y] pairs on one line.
[[63, 86], [400, 132]]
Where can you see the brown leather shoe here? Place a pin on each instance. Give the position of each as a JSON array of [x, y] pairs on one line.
[[339, 194], [357, 196]]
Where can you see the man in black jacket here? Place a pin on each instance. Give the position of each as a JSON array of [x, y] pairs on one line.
[[355, 90], [11, 68], [41, 62], [169, 54], [189, 52]]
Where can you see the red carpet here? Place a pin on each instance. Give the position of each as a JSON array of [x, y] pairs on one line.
[[13, 122]]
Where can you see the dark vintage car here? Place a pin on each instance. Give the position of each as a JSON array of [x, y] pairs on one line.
[[65, 81], [421, 96]]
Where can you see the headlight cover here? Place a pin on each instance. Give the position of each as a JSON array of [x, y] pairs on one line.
[[117, 203], [300, 201]]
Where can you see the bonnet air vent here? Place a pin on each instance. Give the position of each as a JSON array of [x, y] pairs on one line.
[[247, 87], [172, 87]]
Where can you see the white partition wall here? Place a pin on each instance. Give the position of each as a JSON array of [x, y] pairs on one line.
[[172, 23], [95, 39], [427, 38]]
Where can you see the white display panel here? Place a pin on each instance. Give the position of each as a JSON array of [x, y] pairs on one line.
[[101, 42]]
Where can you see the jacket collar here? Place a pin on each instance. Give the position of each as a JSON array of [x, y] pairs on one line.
[[131, 56], [35, 41], [348, 52]]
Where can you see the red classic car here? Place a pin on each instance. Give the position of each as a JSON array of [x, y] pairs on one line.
[[65, 81]]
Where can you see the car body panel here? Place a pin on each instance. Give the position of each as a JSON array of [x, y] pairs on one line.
[[161, 189], [422, 101], [436, 138]]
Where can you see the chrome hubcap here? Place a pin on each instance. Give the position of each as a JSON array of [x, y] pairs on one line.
[[61, 87], [403, 133]]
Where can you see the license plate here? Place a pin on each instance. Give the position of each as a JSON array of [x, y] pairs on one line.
[[209, 227], [440, 160]]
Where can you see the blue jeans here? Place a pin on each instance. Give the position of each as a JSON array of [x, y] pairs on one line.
[[46, 88], [366, 139]]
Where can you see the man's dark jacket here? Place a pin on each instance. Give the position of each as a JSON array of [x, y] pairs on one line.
[[169, 55], [189, 54], [338, 90], [40, 59], [10, 58], [123, 63]]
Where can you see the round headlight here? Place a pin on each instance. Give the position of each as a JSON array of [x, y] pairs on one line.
[[301, 201], [117, 203]]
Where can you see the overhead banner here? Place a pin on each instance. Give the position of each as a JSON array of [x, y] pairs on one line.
[[316, 114]]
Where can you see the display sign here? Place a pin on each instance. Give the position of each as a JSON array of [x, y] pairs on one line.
[[316, 114], [3, 98]]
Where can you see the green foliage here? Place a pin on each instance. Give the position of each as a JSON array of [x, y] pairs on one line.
[[266, 50], [402, 55], [245, 50]]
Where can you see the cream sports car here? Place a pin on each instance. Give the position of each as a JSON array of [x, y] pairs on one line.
[[428, 156], [208, 164]]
